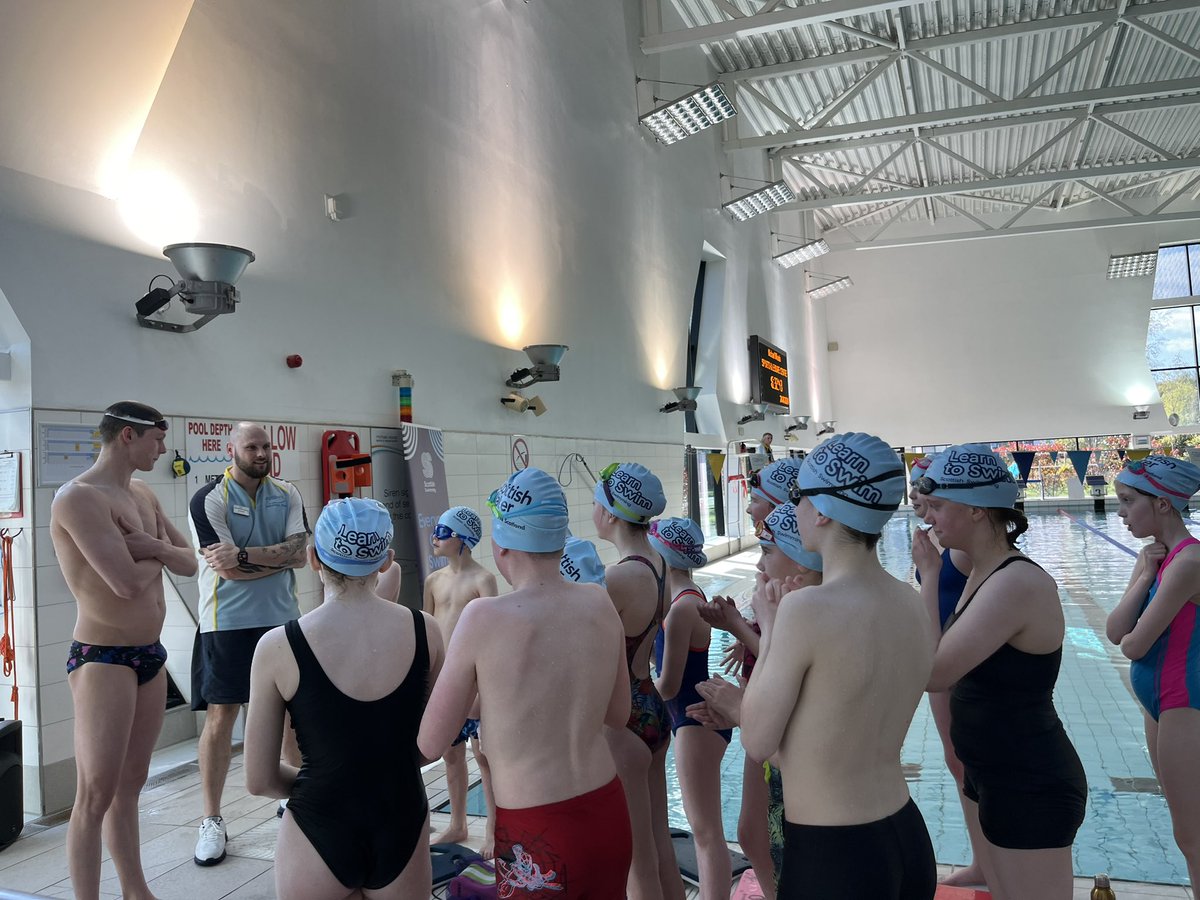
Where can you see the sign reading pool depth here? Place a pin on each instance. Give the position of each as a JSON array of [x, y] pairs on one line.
[[768, 375]]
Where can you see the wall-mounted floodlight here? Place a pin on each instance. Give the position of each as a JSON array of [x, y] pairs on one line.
[[827, 427], [761, 201], [837, 283], [685, 400], [757, 414], [207, 288], [803, 253], [691, 113], [1133, 265], [1141, 412], [801, 424], [519, 403], [545, 359]]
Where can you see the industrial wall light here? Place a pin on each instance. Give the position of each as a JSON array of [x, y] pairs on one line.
[[757, 414], [827, 427], [545, 359], [806, 251], [761, 201], [690, 114], [832, 286], [1133, 265], [1141, 412], [801, 424], [685, 400], [207, 288]]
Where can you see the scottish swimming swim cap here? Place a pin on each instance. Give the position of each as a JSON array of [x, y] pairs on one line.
[[353, 536], [464, 522], [919, 467], [580, 562], [1163, 476], [779, 528], [680, 541], [855, 479], [772, 483], [631, 492], [529, 513], [971, 474]]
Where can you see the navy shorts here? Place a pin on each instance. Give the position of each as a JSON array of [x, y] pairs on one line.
[[221, 666]]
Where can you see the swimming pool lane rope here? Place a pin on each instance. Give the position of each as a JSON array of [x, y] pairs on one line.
[[1098, 532]]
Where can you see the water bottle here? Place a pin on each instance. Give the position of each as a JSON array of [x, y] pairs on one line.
[[1103, 889]]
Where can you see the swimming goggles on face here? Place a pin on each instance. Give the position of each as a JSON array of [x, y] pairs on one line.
[[443, 532], [926, 485], [796, 493], [160, 423], [606, 475]]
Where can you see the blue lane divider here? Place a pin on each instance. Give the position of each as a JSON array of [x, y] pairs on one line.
[[1098, 532]]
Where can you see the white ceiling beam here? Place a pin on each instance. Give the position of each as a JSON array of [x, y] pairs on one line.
[[962, 114], [1082, 225], [1121, 129], [1146, 28], [947, 72], [861, 35], [1104, 195], [1056, 138], [1066, 59], [997, 184], [762, 23], [768, 103], [853, 91]]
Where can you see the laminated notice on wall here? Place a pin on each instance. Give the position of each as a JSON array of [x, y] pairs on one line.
[[10, 485]]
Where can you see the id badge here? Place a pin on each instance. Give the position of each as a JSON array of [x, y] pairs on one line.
[[241, 510]]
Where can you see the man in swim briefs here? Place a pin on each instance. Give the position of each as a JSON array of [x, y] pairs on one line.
[[551, 650], [112, 541]]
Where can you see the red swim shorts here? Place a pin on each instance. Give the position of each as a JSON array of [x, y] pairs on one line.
[[576, 848]]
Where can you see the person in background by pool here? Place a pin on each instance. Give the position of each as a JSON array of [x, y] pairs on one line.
[[842, 668], [999, 654], [627, 497], [354, 673], [948, 586], [768, 490], [547, 665], [1157, 627], [681, 657], [767, 440]]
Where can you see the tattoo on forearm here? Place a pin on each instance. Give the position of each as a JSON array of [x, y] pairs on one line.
[[280, 555], [250, 568]]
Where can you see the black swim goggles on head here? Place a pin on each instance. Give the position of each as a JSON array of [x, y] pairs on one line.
[[926, 485], [795, 493], [160, 423]]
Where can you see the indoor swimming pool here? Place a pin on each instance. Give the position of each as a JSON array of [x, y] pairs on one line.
[[1127, 831]]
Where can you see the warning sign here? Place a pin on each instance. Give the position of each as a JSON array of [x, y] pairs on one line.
[[520, 453]]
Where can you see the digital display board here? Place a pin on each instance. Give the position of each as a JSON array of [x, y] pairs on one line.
[[768, 375]]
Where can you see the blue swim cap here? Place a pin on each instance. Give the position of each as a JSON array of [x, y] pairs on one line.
[[464, 522], [973, 475], [529, 513], [353, 536], [680, 541], [855, 479], [580, 562], [1162, 476], [779, 528], [772, 483], [631, 492]]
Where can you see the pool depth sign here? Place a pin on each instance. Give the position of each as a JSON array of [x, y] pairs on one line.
[[768, 375]]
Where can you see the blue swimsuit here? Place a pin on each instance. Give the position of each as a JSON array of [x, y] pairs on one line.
[[695, 670]]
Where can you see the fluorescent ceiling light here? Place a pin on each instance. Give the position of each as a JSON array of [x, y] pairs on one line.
[[803, 253], [1133, 265], [758, 202], [832, 287], [702, 108]]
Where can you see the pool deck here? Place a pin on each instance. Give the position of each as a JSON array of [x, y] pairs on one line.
[[170, 805]]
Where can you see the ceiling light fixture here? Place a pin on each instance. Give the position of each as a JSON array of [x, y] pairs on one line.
[[1133, 265], [838, 283], [803, 253], [702, 108], [758, 413], [761, 201]]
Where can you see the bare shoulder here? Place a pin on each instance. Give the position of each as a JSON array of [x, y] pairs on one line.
[[271, 647], [78, 499], [1027, 582]]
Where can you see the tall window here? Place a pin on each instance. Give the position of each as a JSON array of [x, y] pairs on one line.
[[1172, 336]]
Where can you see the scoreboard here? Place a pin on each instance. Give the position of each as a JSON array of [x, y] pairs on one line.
[[768, 375]]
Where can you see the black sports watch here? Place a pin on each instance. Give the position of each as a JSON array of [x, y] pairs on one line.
[[243, 558]]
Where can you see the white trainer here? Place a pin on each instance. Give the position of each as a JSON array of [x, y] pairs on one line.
[[210, 848]]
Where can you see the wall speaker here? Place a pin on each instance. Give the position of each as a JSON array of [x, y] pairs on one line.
[[12, 789]]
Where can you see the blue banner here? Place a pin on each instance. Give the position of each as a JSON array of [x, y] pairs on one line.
[[1080, 460], [1024, 461]]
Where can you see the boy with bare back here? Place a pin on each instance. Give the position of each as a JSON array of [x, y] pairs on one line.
[[112, 541], [448, 590]]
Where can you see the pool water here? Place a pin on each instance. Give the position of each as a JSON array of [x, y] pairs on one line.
[[1127, 832]]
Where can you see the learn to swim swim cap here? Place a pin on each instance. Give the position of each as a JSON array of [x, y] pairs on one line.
[[680, 541], [919, 467], [631, 492], [580, 562], [353, 536], [772, 483], [464, 522], [854, 478], [1162, 476], [971, 474], [529, 513], [779, 528]]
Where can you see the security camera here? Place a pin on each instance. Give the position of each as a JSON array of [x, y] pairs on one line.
[[685, 400], [544, 359], [206, 289], [519, 403]]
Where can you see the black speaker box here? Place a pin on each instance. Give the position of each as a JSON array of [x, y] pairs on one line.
[[12, 790]]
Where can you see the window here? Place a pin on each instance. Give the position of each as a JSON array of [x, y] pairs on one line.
[[1171, 337]]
